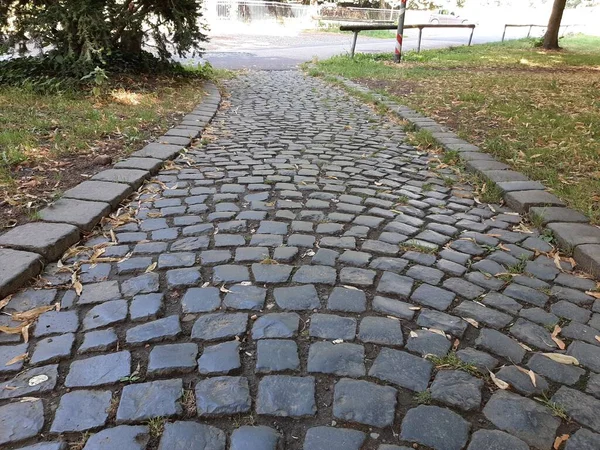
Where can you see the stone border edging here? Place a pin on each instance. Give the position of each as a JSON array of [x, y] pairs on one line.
[[571, 229], [24, 250]]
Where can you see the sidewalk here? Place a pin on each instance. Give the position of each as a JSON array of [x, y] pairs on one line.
[[301, 279]]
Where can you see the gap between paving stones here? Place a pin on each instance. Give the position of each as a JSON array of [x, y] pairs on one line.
[[571, 229], [25, 250]]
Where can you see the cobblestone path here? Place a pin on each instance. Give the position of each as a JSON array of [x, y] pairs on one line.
[[282, 288]]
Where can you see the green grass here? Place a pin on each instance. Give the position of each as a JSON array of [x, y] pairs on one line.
[[538, 111], [43, 135], [379, 34]]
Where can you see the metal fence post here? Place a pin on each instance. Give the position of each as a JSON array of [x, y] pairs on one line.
[[354, 44], [400, 32], [504, 33], [529, 32], [471, 37], [419, 43]]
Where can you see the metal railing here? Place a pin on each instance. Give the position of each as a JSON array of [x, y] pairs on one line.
[[358, 28], [530, 27], [353, 14], [248, 10]]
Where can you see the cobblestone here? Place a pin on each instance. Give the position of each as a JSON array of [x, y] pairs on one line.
[[304, 277]]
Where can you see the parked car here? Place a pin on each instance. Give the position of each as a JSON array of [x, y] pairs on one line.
[[443, 16]]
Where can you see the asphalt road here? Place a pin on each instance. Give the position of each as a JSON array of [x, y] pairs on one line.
[[286, 52]]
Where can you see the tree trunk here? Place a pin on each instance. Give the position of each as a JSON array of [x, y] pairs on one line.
[[551, 36]]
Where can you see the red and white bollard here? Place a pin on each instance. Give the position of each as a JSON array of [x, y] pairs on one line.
[[400, 32]]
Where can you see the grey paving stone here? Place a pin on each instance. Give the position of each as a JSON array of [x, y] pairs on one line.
[[20, 385], [53, 348], [254, 438], [583, 440], [99, 370], [397, 285], [539, 316], [433, 296], [222, 396], [329, 438], [524, 418], [364, 402], [571, 295], [276, 355], [428, 343], [393, 307], [395, 265], [53, 322], [579, 407], [463, 288], [100, 340], [105, 314], [593, 385], [221, 358], [230, 274], [81, 411], [144, 401], [123, 436], [271, 273], [325, 257], [146, 306], [533, 334], [381, 330], [315, 274], [356, 276], [402, 369], [297, 297], [50, 240], [457, 388], [495, 440], [276, 325], [46, 446], [99, 292], [481, 360], [191, 435], [500, 344], [286, 396], [561, 373], [347, 300], [143, 284], [502, 302], [245, 297], [156, 330], [83, 214], [198, 300], [217, 326], [170, 358], [441, 321], [20, 421], [339, 359], [25, 265], [521, 382], [329, 326], [588, 355], [435, 427]]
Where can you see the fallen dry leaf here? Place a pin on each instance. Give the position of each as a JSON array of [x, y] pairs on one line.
[[559, 441], [563, 359], [17, 359], [594, 294], [498, 382], [151, 267], [472, 322], [32, 314], [5, 301]]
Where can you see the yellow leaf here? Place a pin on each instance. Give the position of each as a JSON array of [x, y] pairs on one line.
[[498, 382], [151, 267], [32, 314], [472, 322], [5, 301], [559, 441], [594, 294], [563, 359], [17, 359], [25, 333]]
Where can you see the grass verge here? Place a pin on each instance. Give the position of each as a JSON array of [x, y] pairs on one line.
[[538, 111], [49, 142]]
